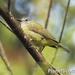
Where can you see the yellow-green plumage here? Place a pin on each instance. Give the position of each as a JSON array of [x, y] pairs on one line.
[[38, 34]]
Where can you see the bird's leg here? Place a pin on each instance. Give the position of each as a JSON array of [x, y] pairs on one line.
[[3, 56], [41, 48]]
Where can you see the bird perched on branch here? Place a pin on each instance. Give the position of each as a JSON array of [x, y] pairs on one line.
[[39, 36]]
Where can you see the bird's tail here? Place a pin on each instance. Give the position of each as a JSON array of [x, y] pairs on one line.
[[57, 45]]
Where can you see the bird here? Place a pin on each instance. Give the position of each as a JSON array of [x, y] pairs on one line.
[[39, 36]]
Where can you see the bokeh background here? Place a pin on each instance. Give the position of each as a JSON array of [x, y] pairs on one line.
[[21, 61]]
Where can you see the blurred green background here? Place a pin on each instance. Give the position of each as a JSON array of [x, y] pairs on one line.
[[21, 61]]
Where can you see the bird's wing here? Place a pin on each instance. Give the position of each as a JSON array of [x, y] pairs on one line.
[[37, 28], [33, 35]]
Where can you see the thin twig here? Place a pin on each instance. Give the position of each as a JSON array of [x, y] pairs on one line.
[[5, 26], [48, 14], [3, 56], [9, 6], [61, 34], [64, 22]]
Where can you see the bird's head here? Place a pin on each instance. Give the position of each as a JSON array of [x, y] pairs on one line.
[[24, 19]]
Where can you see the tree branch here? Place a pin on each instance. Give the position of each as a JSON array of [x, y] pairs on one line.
[[15, 26], [3, 56], [48, 14]]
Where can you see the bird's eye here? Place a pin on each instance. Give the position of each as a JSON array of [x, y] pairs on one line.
[[26, 19]]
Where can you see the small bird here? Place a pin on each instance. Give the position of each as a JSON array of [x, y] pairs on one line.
[[39, 36]]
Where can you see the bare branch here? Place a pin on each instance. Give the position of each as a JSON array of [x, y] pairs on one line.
[[3, 56], [14, 25], [48, 14]]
